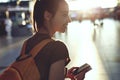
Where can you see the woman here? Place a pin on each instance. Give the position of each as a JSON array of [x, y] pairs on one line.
[[50, 16]]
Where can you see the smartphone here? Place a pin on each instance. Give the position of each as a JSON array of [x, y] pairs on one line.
[[85, 67]]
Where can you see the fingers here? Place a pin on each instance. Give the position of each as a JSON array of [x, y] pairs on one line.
[[80, 76], [71, 70], [70, 73]]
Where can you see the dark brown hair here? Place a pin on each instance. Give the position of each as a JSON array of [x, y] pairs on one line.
[[40, 7]]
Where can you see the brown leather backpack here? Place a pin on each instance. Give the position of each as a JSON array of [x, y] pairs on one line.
[[24, 68]]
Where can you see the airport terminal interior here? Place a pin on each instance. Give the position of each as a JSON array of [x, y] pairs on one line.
[[95, 41]]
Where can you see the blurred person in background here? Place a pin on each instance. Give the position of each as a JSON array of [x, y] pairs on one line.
[[8, 25]]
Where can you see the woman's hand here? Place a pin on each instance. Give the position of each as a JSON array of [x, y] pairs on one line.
[[70, 74], [79, 76]]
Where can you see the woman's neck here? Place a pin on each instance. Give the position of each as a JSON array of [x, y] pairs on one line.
[[45, 31]]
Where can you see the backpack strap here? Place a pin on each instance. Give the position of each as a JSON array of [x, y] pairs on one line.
[[23, 48], [22, 53], [34, 51], [39, 46]]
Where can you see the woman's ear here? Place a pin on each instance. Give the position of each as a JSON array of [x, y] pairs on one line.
[[47, 15]]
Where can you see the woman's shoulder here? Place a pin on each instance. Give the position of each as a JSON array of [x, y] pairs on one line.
[[58, 43], [59, 51], [58, 47]]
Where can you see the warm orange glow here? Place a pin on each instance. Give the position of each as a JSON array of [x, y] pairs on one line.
[[87, 4]]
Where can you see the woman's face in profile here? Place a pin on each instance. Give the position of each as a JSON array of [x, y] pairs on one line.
[[61, 18]]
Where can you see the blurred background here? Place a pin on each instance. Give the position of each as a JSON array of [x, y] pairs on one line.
[[92, 37]]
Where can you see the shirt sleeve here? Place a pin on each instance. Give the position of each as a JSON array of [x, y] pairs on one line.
[[59, 52]]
